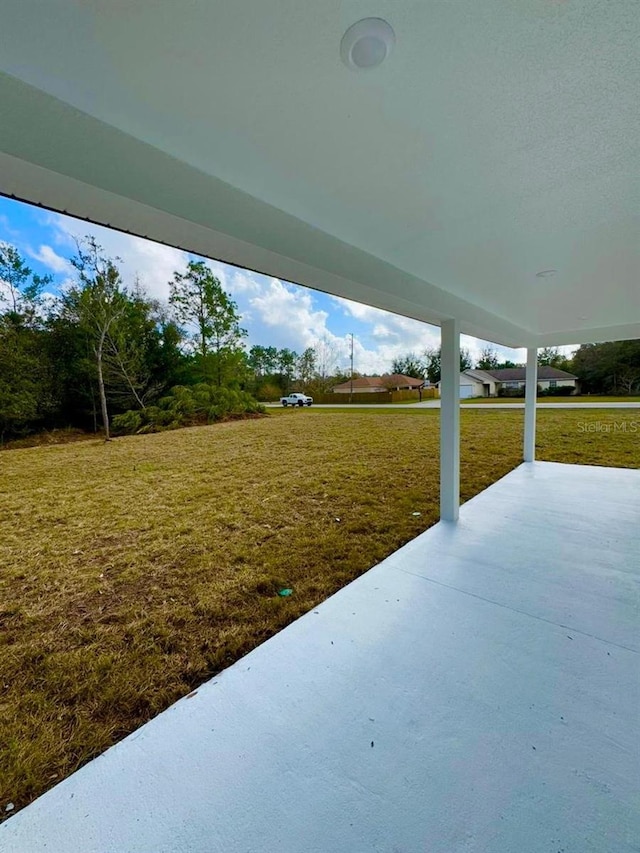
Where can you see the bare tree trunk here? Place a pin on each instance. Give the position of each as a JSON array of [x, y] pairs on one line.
[[137, 396], [93, 410], [125, 373], [103, 396], [628, 380]]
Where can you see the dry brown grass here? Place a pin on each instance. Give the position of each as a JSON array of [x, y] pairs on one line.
[[133, 571]]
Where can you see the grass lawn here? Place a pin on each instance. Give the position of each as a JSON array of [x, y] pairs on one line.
[[587, 398], [133, 571]]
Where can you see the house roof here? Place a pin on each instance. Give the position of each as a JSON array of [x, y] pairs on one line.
[[514, 374], [392, 379], [479, 375], [523, 229]]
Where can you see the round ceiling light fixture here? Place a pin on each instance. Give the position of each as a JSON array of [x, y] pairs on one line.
[[546, 273], [367, 43]]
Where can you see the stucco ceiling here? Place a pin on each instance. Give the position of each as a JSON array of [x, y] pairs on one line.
[[499, 139]]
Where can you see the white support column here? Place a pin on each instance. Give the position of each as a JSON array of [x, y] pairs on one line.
[[530, 394], [450, 421]]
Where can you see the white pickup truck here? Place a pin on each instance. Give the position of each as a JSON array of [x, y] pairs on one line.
[[296, 400]]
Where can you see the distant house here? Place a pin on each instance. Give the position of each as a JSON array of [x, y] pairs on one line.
[[510, 380], [377, 384]]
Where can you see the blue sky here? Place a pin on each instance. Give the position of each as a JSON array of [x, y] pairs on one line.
[[275, 313]]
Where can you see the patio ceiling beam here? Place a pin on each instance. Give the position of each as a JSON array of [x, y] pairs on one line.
[[450, 420], [530, 394]]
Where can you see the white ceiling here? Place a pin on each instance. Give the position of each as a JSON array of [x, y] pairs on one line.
[[499, 139]]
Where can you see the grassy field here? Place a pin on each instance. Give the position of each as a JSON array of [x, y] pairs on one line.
[[131, 572]]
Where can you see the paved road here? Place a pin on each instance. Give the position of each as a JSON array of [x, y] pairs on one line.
[[435, 404]]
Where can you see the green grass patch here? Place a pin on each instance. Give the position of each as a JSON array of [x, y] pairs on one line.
[[133, 571]]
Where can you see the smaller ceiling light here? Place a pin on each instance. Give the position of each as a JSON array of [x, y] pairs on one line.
[[367, 43], [546, 273]]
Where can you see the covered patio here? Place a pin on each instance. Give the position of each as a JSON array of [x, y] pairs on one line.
[[471, 165]]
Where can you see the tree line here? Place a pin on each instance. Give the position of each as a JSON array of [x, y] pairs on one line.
[[102, 348]]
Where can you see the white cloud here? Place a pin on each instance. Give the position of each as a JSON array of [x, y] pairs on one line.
[[400, 335], [391, 336], [47, 256], [8, 234], [243, 281], [152, 263], [364, 313], [381, 331], [289, 310], [290, 317]]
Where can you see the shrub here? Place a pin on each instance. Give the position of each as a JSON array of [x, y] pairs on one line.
[[126, 424], [188, 406], [268, 393], [558, 391], [561, 391]]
